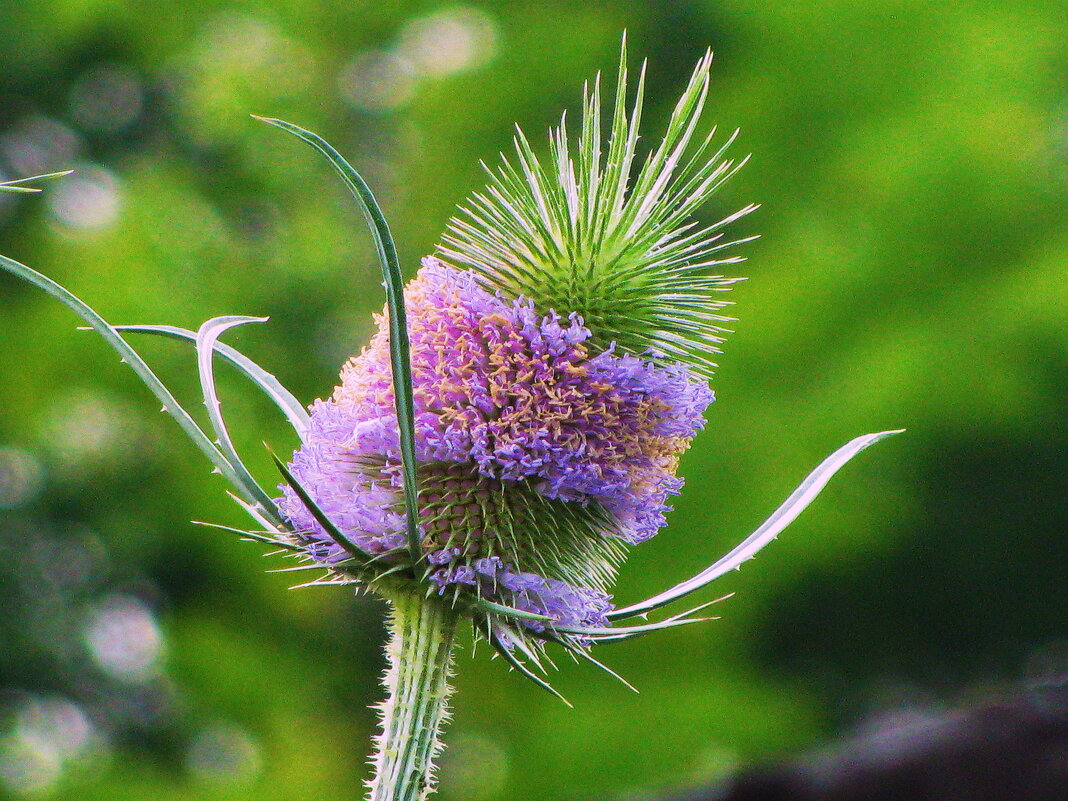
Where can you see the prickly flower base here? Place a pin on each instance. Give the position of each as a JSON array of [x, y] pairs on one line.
[[417, 691]]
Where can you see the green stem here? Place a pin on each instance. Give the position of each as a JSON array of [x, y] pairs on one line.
[[417, 692]]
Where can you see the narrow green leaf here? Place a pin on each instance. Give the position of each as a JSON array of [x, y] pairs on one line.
[[582, 653], [19, 184], [321, 518], [625, 632], [399, 348], [207, 336], [325, 581], [521, 643], [299, 568], [253, 511], [253, 535], [510, 658], [799, 499], [271, 386], [509, 611], [136, 363]]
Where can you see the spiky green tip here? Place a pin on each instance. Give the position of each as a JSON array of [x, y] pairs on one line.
[[576, 235]]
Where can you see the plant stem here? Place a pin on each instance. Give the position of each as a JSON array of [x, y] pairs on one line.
[[417, 692]]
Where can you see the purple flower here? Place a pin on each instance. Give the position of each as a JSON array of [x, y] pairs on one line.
[[528, 443]]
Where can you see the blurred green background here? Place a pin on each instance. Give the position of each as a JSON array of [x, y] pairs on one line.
[[912, 159]]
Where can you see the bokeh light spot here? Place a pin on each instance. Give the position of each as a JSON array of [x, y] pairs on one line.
[[124, 639], [26, 768], [223, 753], [48, 733], [474, 767], [37, 144], [21, 477], [377, 81], [87, 429], [87, 200], [449, 41], [107, 98]]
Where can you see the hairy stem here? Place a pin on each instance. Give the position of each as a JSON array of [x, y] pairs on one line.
[[417, 692]]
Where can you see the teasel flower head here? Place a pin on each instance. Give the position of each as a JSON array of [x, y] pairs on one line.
[[559, 343], [539, 458], [515, 424]]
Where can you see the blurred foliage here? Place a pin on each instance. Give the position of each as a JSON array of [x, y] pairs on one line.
[[912, 271]]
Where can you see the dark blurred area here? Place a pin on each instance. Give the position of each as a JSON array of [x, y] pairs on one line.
[[912, 271], [1013, 748]]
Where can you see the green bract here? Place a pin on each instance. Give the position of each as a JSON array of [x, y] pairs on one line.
[[575, 234], [22, 185]]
